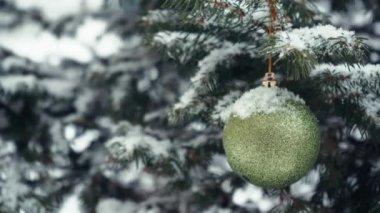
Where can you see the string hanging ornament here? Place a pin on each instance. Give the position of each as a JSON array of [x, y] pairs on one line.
[[270, 77]]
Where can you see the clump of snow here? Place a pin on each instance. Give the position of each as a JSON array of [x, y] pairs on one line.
[[309, 37], [362, 18], [123, 147], [111, 205], [263, 100], [371, 104], [136, 175], [219, 165], [84, 141], [218, 209], [132, 174], [253, 197], [323, 6], [367, 71], [92, 33], [7, 148], [32, 41], [186, 99], [13, 83], [108, 45], [72, 204], [223, 108], [305, 187], [91, 29], [358, 134], [160, 16], [258, 12], [133, 142], [56, 87]]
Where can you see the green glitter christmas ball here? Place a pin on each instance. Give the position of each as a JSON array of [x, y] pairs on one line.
[[271, 137]]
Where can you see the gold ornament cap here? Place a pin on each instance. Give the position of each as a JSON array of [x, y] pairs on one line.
[[269, 80]]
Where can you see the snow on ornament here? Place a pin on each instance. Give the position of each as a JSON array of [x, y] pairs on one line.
[[271, 138]]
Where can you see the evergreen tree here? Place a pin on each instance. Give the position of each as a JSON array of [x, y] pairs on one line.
[[226, 45]]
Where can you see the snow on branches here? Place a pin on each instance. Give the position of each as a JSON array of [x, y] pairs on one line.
[[61, 88], [184, 46], [225, 13], [362, 82], [311, 38], [223, 108], [209, 64], [204, 80], [128, 145], [302, 49]]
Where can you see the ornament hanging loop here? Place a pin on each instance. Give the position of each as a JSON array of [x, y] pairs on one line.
[[270, 78]]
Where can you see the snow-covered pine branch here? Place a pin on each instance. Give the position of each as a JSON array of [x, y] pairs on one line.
[[204, 80], [302, 49], [60, 88], [21, 75], [160, 16], [360, 82], [131, 139], [240, 16], [222, 56], [184, 46], [219, 16]]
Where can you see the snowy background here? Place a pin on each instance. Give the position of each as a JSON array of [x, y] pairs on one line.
[[55, 50]]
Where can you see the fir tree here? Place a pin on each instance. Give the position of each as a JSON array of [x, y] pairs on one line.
[[226, 45]]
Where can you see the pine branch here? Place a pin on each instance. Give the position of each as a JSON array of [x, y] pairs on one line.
[[135, 144], [238, 16], [301, 49], [185, 46], [206, 80], [354, 90]]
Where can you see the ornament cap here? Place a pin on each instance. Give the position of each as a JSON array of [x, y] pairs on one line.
[[269, 80]]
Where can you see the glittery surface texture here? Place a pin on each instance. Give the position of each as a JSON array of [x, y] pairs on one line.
[[275, 149]]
